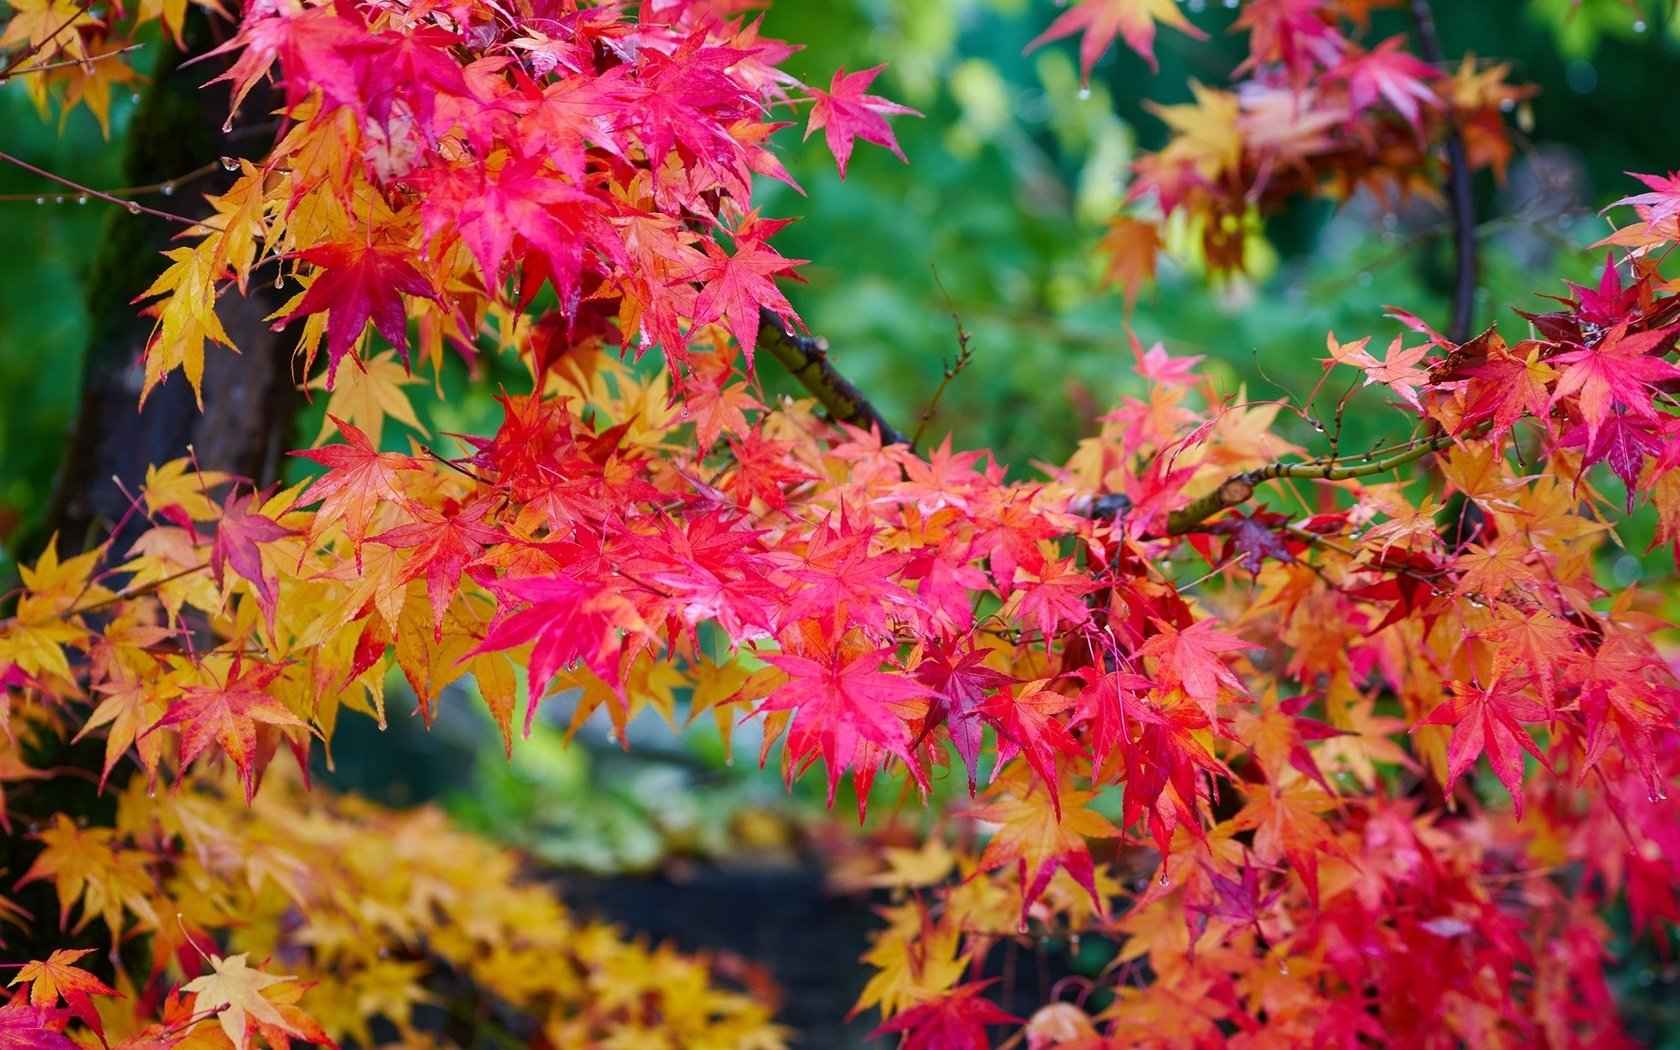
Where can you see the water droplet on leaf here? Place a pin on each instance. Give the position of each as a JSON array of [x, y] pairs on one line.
[[229, 164]]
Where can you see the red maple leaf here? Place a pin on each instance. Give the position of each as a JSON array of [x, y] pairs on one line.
[[845, 113], [24, 1026], [838, 704], [1490, 719], [735, 286], [1189, 660], [1619, 370], [228, 714], [956, 1020], [444, 544], [1103, 20], [1024, 715], [357, 283], [569, 621], [359, 478], [959, 687], [1386, 72], [235, 544]]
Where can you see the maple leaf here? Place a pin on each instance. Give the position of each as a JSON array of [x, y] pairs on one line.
[[1490, 719], [1131, 246], [959, 682], [1042, 839], [845, 113], [736, 286], [840, 704], [956, 1020], [1025, 717], [569, 621], [57, 976], [228, 713], [235, 545], [1189, 660], [25, 1026], [1619, 370], [355, 283], [359, 478], [1101, 21], [1392, 75], [444, 543], [234, 993]]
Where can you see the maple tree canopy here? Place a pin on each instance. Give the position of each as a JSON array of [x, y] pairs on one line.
[[1226, 701]]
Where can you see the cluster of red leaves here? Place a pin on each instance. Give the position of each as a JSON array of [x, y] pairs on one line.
[[1312, 110], [1257, 712]]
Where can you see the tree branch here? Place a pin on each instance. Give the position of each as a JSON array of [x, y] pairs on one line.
[[1459, 187], [806, 359], [1237, 488]]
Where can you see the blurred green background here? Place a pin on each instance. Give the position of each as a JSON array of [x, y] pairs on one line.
[[1011, 175]]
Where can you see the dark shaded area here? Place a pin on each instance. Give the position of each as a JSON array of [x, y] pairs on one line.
[[783, 918]]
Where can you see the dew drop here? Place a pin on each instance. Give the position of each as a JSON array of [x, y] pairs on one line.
[[1639, 26], [133, 207], [58, 198], [1084, 93], [1506, 105], [1283, 967], [40, 200], [384, 953], [81, 198], [227, 125], [279, 281], [134, 97], [167, 189], [1023, 926], [229, 164], [34, 828], [1647, 978], [1365, 278], [1073, 943], [729, 760], [1164, 880]]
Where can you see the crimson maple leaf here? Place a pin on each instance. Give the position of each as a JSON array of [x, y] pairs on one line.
[[845, 113], [959, 684], [956, 1020], [840, 703], [1385, 72], [237, 535], [1025, 717], [25, 1026], [58, 976], [444, 544], [1189, 660], [359, 478], [356, 283], [1490, 719], [735, 286], [568, 622], [1619, 370], [228, 713], [1102, 20]]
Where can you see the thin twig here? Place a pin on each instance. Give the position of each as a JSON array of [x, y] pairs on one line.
[[167, 187], [26, 54], [1238, 488], [134, 207], [965, 354], [806, 359], [1458, 181]]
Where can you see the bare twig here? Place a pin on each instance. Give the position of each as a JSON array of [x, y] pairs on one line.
[[965, 354], [1458, 180], [806, 359], [135, 207], [1238, 488]]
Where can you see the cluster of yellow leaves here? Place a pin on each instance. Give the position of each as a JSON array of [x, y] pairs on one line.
[[364, 916]]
